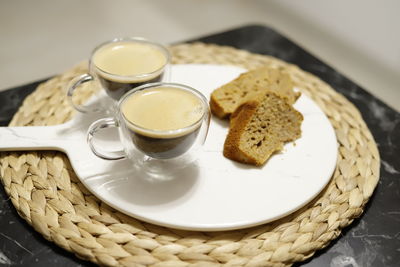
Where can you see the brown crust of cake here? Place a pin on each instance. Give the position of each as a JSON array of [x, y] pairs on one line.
[[217, 109], [238, 123]]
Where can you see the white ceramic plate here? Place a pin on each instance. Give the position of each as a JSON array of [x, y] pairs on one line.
[[216, 193]]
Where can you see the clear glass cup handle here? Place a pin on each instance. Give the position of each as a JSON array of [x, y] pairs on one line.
[[93, 129], [75, 83]]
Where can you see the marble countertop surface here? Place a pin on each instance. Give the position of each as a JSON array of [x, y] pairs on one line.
[[371, 240]]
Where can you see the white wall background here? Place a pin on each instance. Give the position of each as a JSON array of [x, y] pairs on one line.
[[360, 38]]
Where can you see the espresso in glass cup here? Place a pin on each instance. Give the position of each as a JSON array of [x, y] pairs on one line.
[[122, 64], [160, 125]]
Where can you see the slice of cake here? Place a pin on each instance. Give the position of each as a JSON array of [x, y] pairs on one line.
[[228, 97], [260, 127]]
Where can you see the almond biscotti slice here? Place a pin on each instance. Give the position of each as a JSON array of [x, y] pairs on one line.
[[260, 127], [225, 99]]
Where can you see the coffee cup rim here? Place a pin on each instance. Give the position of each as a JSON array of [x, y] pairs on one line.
[[137, 77], [168, 133]]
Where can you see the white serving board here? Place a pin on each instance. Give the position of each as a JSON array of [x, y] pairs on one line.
[[214, 193]]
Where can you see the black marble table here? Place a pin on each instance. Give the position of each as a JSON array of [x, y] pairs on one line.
[[372, 240]]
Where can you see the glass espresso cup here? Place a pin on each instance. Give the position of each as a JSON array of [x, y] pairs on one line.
[[122, 64], [161, 127]]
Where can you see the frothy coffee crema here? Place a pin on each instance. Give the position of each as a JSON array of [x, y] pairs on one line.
[[129, 59], [163, 112]]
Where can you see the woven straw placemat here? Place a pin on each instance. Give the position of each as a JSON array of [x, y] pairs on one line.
[[47, 194]]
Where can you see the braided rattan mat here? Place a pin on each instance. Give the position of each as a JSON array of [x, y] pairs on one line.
[[47, 194]]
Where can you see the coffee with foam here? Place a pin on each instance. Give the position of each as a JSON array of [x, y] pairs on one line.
[[164, 121], [123, 65]]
